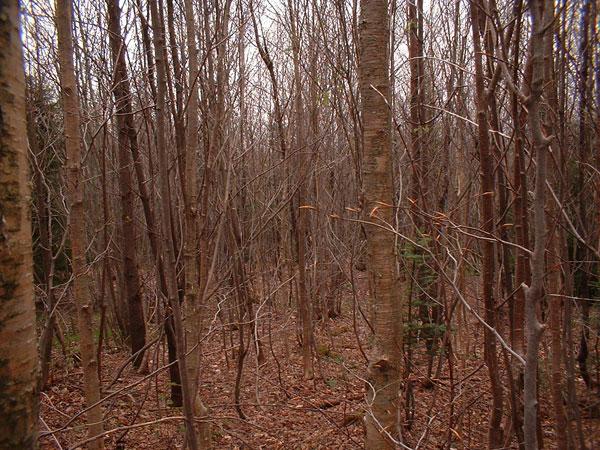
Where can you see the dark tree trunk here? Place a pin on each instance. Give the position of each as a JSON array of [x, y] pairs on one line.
[[124, 115]]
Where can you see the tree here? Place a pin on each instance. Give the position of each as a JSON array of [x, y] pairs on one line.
[[534, 294], [75, 191], [18, 344], [167, 222], [194, 319], [126, 138], [298, 215], [495, 435], [285, 177], [382, 425]]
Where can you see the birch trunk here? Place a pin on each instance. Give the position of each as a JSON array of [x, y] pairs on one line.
[[18, 344], [382, 417]]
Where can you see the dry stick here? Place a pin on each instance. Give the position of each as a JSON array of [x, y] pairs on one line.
[[255, 321], [47, 243], [117, 392], [132, 357], [127, 427], [570, 223], [271, 337], [315, 408], [45, 425], [108, 397], [137, 413], [452, 284], [487, 236]]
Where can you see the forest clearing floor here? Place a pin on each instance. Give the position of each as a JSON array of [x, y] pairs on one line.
[[281, 410]]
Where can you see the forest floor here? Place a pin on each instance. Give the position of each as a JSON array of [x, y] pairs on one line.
[[281, 410]]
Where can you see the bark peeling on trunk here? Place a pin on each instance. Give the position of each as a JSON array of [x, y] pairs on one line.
[[383, 399]]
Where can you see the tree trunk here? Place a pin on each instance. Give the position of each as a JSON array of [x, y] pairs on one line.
[[521, 234], [382, 417], [495, 432], [193, 319], [123, 111], [75, 189], [150, 216], [18, 344], [534, 294], [298, 215], [583, 268], [562, 428], [44, 218], [167, 223]]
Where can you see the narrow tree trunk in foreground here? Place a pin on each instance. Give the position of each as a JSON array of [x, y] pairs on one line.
[[18, 343], [495, 432], [521, 234], [381, 418], [167, 223], [75, 188], [298, 215], [123, 110], [534, 294], [192, 299], [562, 428]]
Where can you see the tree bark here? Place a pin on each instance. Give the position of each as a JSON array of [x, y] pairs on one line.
[[167, 223], [44, 219], [534, 294], [18, 344], [583, 269], [123, 111], [149, 214], [75, 191], [298, 215], [382, 417], [193, 319], [562, 428], [495, 432]]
